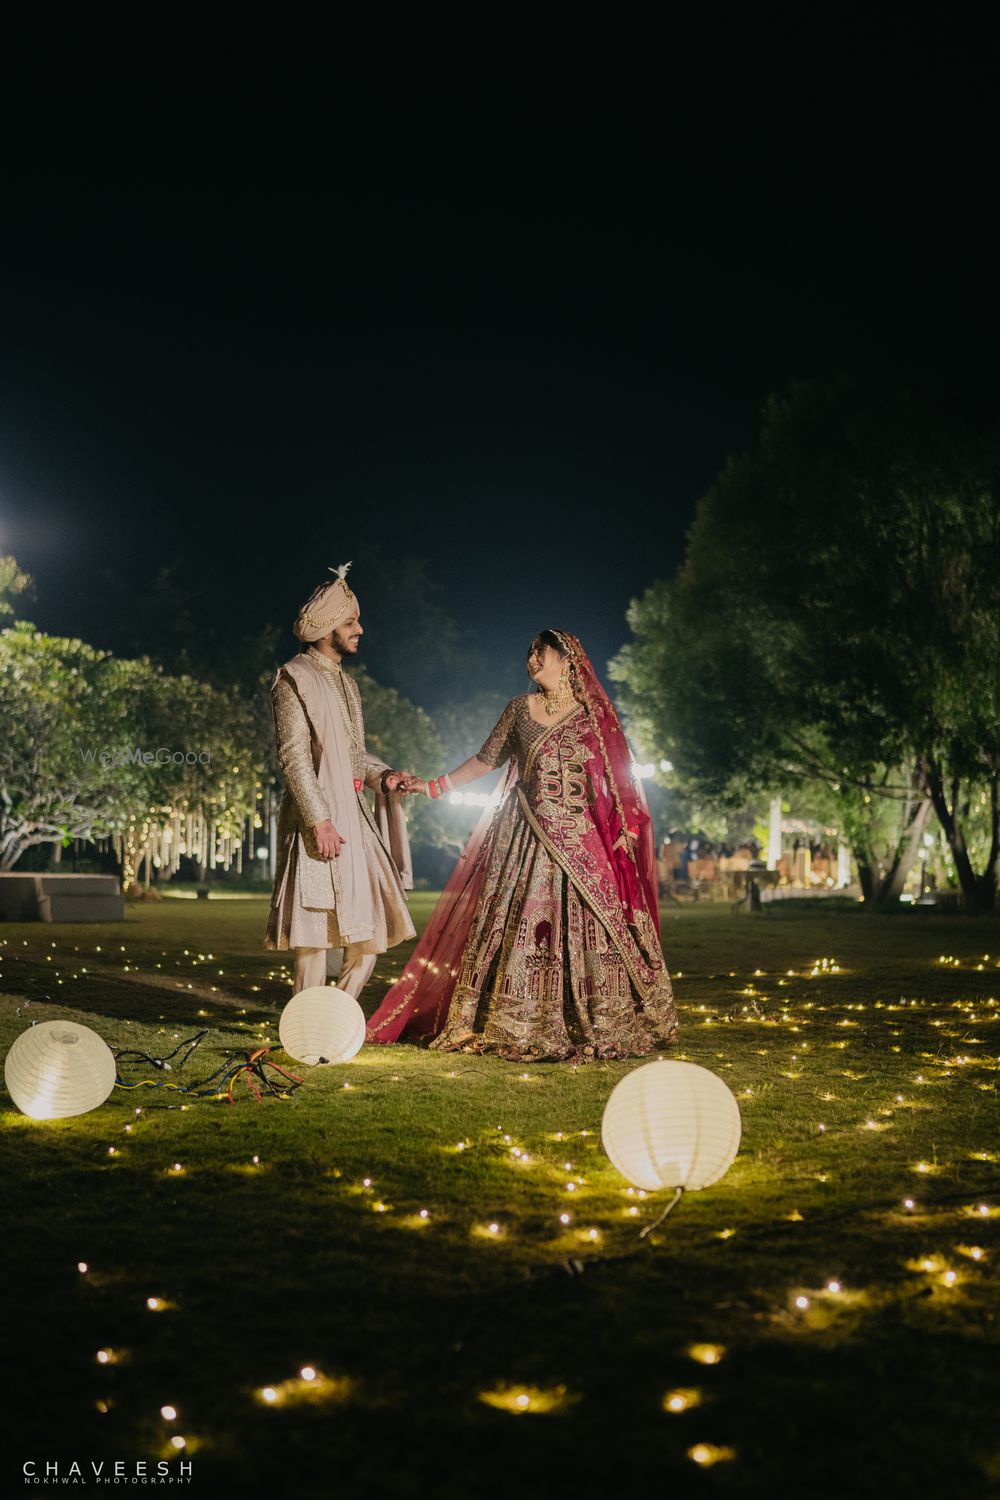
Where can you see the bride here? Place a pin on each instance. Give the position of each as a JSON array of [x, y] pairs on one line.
[[545, 944]]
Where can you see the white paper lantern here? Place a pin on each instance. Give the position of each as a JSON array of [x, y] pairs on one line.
[[59, 1068], [671, 1125], [322, 1025]]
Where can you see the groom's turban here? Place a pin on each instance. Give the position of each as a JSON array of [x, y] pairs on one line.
[[326, 607]]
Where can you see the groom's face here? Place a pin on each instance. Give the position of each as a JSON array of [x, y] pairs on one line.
[[347, 634]]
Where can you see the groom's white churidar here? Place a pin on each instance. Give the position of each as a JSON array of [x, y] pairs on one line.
[[356, 900]]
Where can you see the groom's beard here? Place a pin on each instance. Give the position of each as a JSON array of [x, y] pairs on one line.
[[346, 644]]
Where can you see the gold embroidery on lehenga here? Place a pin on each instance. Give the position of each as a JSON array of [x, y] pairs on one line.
[[552, 967]]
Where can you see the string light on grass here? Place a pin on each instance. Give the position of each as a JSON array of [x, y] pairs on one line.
[[308, 1386], [168, 1413], [155, 1304], [82, 1267], [528, 1400], [706, 1354], [681, 1400], [492, 1230], [706, 1454], [802, 1303], [178, 1442]]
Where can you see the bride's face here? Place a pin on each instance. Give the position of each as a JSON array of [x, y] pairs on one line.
[[544, 665]]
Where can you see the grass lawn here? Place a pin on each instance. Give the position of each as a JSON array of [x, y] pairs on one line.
[[863, 1084]]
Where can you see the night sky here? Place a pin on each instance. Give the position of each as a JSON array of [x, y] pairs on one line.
[[517, 349]]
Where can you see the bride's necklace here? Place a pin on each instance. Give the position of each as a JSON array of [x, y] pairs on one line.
[[557, 700]]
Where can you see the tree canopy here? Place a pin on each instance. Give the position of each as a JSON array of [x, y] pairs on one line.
[[837, 620]]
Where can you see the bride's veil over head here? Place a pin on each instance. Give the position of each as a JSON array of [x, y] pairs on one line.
[[630, 799]]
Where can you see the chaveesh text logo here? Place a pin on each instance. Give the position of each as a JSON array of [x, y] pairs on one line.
[[136, 757], [107, 1471]]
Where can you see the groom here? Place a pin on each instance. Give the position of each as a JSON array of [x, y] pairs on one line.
[[341, 872]]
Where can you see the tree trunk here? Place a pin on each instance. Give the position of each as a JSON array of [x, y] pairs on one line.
[[891, 886], [978, 891]]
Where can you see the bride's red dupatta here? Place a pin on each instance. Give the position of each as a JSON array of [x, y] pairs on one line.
[[418, 1002], [627, 808]]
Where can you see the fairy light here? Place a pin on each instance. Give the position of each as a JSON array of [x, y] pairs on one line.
[[307, 1372], [155, 1304], [681, 1400], [269, 1394], [168, 1413], [706, 1454], [802, 1303], [178, 1442], [565, 1219], [82, 1267], [833, 1286], [706, 1354]]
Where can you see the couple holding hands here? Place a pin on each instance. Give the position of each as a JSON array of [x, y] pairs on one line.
[[545, 944]]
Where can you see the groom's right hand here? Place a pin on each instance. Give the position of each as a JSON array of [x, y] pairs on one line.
[[328, 840]]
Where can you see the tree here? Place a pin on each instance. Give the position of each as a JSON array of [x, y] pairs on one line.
[[97, 747], [837, 621], [63, 707], [13, 583]]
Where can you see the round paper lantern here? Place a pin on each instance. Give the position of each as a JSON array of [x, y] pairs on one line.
[[59, 1068], [322, 1025], [671, 1125]]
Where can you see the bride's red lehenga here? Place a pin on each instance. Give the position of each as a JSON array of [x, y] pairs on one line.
[[545, 944]]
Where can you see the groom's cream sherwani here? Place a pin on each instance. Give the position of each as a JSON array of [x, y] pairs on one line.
[[355, 901]]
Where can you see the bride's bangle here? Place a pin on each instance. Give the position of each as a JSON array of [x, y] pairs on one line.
[[438, 786]]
